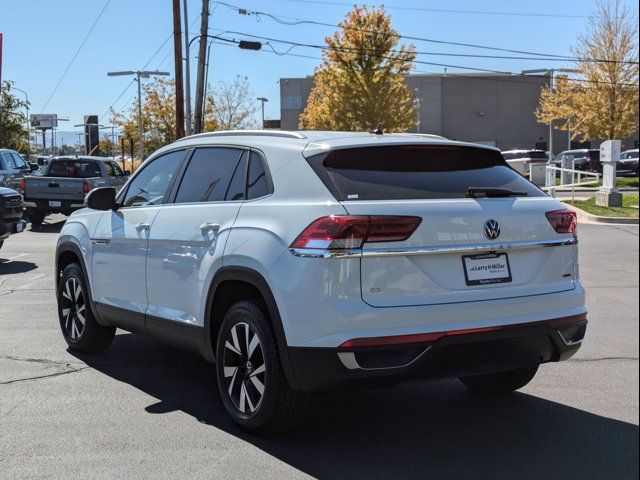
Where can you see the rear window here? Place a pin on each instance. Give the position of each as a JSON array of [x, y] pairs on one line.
[[415, 172], [73, 169]]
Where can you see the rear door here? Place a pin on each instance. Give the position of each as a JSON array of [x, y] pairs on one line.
[[450, 255], [187, 239]]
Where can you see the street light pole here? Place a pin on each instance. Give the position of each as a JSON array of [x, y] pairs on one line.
[[262, 101], [551, 72], [139, 75]]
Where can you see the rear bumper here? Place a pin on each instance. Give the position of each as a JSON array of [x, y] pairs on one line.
[[43, 205], [9, 228], [444, 355]]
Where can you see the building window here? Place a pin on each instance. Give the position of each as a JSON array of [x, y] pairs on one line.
[[291, 102]]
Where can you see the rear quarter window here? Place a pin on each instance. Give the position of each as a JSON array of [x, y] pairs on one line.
[[409, 172]]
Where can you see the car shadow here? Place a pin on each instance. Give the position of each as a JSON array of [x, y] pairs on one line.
[[48, 226], [15, 266], [426, 429]]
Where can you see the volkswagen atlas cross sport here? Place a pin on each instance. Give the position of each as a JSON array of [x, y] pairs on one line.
[[306, 261]]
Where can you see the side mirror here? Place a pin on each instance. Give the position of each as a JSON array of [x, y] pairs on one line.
[[34, 166], [127, 173], [103, 198]]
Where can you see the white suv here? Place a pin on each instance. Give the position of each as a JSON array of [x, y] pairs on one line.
[[308, 261]]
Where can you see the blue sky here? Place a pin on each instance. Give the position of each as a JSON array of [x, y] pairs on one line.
[[41, 37]]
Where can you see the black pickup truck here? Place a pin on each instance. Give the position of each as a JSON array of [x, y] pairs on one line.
[[11, 211]]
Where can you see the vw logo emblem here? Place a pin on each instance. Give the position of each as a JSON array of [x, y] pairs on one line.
[[491, 229]]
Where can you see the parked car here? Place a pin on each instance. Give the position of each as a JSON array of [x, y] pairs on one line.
[[521, 160], [310, 261], [11, 211], [587, 160], [628, 164], [66, 182], [13, 168]]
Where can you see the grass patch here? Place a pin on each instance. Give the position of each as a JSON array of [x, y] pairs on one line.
[[627, 210]]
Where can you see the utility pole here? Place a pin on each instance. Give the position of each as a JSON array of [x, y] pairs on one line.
[[202, 53], [262, 101], [177, 60], [139, 75], [551, 72], [187, 70]]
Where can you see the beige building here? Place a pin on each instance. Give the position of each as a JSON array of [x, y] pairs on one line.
[[485, 108]]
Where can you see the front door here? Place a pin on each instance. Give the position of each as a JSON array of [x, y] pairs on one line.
[[120, 243], [188, 236]]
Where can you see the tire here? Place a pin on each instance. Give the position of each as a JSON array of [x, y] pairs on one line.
[[501, 382], [73, 307], [35, 217], [253, 386]]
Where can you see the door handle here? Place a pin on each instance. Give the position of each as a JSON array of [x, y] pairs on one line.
[[209, 227], [142, 226]]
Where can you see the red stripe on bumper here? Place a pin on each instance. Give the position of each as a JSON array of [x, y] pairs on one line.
[[432, 337]]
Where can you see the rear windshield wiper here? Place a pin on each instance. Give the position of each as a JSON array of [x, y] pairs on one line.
[[490, 192]]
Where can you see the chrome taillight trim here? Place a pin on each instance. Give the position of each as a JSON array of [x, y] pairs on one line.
[[438, 250]]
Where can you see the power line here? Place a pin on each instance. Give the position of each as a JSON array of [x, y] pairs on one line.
[[421, 62], [543, 56], [73, 59], [443, 10]]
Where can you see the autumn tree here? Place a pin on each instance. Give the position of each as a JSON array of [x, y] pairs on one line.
[[13, 133], [360, 82], [230, 106], [602, 102], [158, 115]]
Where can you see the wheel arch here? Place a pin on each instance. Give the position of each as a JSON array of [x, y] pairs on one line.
[[67, 253], [246, 283]]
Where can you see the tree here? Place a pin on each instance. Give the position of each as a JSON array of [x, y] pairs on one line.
[[360, 82], [603, 101], [230, 106], [13, 133], [158, 115], [106, 146]]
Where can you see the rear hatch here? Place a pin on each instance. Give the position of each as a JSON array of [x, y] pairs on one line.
[[490, 245]]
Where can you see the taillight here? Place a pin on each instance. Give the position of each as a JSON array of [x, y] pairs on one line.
[[352, 231], [23, 186], [563, 221], [86, 187]]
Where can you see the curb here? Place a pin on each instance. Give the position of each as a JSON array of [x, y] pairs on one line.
[[586, 217]]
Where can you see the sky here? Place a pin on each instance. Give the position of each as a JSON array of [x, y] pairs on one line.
[[41, 38]]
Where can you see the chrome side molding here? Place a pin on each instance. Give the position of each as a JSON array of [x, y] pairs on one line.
[[438, 250]]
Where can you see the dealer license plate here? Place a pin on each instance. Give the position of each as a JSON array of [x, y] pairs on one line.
[[486, 269]]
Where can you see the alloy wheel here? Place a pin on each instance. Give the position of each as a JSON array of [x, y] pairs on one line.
[[244, 368], [73, 309]]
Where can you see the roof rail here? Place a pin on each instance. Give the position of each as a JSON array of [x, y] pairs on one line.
[[245, 133]]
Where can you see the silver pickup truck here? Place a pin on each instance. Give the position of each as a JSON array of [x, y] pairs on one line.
[[66, 182]]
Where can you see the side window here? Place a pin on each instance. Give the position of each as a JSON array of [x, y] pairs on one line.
[[108, 169], [19, 161], [208, 175], [150, 185], [237, 187], [9, 163], [117, 171], [257, 182]]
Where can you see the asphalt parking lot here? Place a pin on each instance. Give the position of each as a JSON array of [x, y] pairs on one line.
[[144, 410]]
